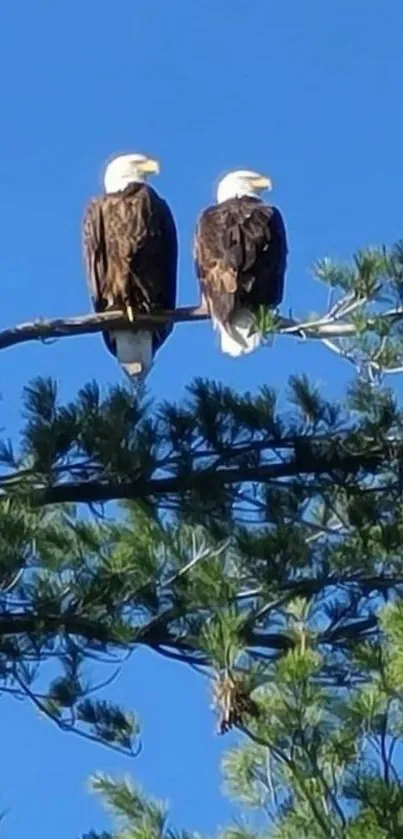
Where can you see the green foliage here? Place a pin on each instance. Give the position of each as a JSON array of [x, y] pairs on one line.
[[368, 295], [136, 816], [276, 589], [262, 544], [129, 805], [267, 321], [240, 510]]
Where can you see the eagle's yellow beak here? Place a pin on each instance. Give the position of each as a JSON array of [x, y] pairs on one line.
[[150, 166], [261, 182]]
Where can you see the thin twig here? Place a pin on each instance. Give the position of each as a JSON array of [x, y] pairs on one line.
[[70, 727], [299, 779], [206, 554]]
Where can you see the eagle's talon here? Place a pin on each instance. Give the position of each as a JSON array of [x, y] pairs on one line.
[[130, 313]]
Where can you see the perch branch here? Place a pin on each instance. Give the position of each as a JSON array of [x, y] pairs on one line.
[[40, 330]]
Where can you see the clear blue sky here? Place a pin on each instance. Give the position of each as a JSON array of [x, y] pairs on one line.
[[309, 93]]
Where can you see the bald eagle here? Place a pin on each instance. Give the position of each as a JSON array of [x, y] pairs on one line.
[[240, 253], [131, 255]]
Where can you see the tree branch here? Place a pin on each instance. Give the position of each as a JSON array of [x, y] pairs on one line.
[[157, 635], [100, 491], [41, 330]]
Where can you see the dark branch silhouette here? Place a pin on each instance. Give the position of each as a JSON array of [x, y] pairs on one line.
[[157, 635], [101, 491]]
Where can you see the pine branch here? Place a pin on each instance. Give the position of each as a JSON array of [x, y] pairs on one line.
[[154, 634], [42, 330], [158, 637], [92, 492]]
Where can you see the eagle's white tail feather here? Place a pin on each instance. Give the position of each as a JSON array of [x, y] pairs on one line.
[[134, 352], [235, 336]]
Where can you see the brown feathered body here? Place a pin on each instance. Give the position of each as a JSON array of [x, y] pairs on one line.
[[240, 252], [131, 254]]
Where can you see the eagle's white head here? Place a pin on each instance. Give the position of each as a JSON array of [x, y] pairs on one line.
[[242, 182], [128, 169]]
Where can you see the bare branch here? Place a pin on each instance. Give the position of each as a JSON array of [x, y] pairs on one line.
[[41, 330]]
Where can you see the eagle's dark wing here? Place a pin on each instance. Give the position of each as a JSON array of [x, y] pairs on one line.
[[168, 287], [95, 257], [240, 252], [131, 254]]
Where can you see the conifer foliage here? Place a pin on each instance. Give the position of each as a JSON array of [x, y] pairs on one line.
[[258, 539]]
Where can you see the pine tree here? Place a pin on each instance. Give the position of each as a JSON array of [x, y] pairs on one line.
[[258, 540]]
